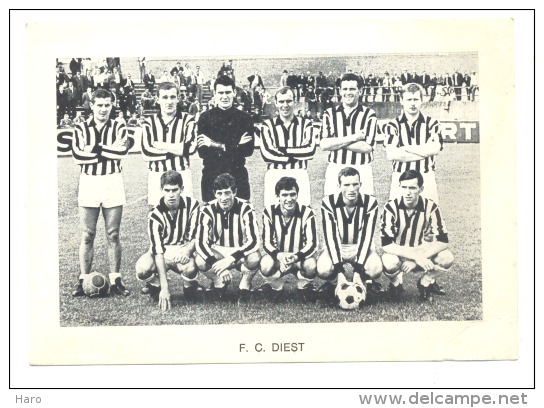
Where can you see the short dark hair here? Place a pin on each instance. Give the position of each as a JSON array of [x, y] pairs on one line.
[[410, 175], [224, 181], [225, 81], [172, 178], [347, 172], [286, 183], [102, 94], [166, 86], [283, 90], [352, 77], [412, 87]]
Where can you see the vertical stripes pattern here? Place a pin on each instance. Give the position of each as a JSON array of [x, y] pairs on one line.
[[287, 147], [164, 229], [299, 235], [108, 160], [409, 230], [341, 228], [236, 228], [400, 134], [337, 124], [180, 131]]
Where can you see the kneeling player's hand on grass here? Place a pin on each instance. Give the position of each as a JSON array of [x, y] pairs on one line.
[[164, 299]]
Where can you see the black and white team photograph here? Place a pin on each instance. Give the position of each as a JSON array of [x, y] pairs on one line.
[[256, 190]]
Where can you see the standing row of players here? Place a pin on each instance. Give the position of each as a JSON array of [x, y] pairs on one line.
[[224, 138]]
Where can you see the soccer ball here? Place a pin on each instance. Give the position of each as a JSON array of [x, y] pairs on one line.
[[95, 284], [350, 295]]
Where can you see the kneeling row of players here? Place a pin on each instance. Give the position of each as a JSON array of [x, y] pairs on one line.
[[222, 236]]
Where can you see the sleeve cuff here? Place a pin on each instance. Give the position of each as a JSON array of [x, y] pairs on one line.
[[300, 256], [97, 149], [237, 255], [386, 241], [339, 267], [357, 267], [211, 260], [274, 254], [442, 238]]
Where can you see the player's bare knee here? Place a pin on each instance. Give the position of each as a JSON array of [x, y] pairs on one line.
[[190, 270], [112, 235], [145, 267], [87, 236], [201, 264], [267, 266], [444, 259], [252, 261], [374, 267], [325, 268], [309, 268], [391, 263]]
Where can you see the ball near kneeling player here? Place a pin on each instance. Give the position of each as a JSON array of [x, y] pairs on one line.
[[290, 241], [172, 231], [349, 220], [414, 239], [228, 239]]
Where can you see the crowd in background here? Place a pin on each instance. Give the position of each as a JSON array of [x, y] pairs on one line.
[[77, 80]]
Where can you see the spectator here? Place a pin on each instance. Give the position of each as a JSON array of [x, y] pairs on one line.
[[149, 81], [457, 82], [255, 81], [78, 86], [200, 81], [425, 81], [320, 83], [165, 77], [87, 98], [311, 100], [74, 66], [372, 86], [71, 100], [473, 86], [292, 83], [66, 122], [122, 100], [128, 84], [62, 102], [88, 80], [116, 79], [269, 108], [79, 118], [386, 85], [283, 79], [121, 118], [131, 101], [416, 78], [466, 85], [194, 108], [433, 82], [142, 65], [405, 77], [148, 100], [177, 69], [133, 121]]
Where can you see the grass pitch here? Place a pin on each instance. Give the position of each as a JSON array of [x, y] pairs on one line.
[[458, 179]]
